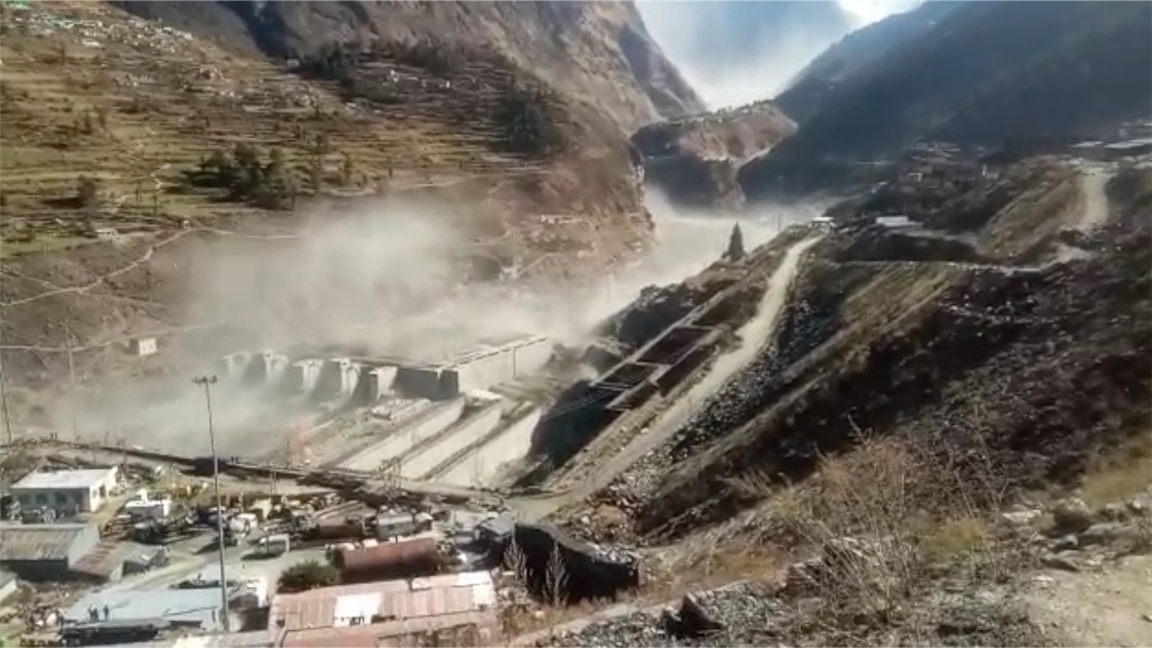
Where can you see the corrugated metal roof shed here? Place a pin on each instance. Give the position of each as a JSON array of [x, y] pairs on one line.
[[465, 629], [105, 559], [421, 597], [38, 541], [64, 479], [257, 639]]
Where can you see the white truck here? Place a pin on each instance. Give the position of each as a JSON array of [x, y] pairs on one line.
[[275, 545]]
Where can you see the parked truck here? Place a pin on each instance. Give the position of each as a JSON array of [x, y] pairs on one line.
[[275, 545]]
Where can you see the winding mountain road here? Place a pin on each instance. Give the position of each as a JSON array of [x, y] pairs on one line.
[[753, 336]]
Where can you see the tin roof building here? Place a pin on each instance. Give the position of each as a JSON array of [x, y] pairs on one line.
[[45, 552], [463, 605]]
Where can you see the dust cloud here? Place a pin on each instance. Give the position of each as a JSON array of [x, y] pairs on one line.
[[380, 283]]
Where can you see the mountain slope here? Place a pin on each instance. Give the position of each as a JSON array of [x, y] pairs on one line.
[[1021, 368], [599, 52], [131, 146], [855, 53], [987, 71], [693, 161]]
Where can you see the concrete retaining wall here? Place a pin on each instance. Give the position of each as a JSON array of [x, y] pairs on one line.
[[304, 375], [380, 382], [426, 424], [275, 366], [422, 382], [500, 365], [339, 377], [235, 365], [402, 439], [469, 431], [482, 466]]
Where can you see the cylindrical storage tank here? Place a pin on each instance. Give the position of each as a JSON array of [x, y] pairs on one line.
[[411, 558], [336, 531]]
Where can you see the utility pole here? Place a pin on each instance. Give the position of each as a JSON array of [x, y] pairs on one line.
[[4, 403], [207, 382], [780, 204], [71, 375]]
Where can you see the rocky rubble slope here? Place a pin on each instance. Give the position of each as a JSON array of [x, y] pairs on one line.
[[993, 592], [694, 161], [598, 52]]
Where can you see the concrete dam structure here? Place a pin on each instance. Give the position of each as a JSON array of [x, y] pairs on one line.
[[425, 419], [411, 432], [367, 380], [479, 369], [480, 463]]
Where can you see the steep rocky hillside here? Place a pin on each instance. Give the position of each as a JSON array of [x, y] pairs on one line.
[[856, 52], [597, 52], [1009, 363], [694, 161], [985, 72], [129, 143]]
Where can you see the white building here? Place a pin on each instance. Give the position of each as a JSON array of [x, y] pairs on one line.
[[83, 491], [894, 222], [143, 346]]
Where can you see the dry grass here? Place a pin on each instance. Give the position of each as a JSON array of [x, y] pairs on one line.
[[884, 521], [525, 616], [1120, 474]]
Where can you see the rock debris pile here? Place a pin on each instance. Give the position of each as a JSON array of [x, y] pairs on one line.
[[1080, 537], [738, 614]]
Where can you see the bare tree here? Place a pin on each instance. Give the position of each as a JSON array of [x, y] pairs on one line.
[[556, 578], [516, 561]]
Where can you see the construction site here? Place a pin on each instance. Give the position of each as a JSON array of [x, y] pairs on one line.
[[383, 467], [434, 421]]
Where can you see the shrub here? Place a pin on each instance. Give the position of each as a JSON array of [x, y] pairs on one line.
[[436, 58], [87, 191], [333, 62], [308, 575], [245, 177], [528, 121]]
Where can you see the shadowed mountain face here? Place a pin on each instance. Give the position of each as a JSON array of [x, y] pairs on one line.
[[595, 51], [978, 73], [735, 53], [856, 52]]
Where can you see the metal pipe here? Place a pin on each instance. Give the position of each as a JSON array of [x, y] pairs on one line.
[[207, 382]]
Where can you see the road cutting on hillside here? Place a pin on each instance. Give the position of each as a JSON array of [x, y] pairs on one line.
[[753, 336]]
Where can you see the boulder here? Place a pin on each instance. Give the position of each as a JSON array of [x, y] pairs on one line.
[[1023, 517], [695, 620], [1062, 563], [1071, 516], [1065, 543], [1104, 533], [1141, 506], [1115, 512]]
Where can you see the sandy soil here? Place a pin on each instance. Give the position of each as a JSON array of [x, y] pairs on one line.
[[1109, 608]]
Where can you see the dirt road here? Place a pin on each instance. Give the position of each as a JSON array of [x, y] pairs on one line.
[[752, 337], [1094, 210], [1107, 608]]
